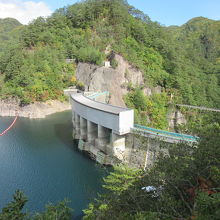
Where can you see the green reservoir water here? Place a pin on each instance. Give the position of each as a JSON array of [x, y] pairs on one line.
[[38, 157]]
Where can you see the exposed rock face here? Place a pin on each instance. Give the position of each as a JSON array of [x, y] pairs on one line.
[[98, 78], [151, 91], [36, 110], [176, 118]]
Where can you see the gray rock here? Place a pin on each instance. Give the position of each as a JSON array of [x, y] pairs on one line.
[[36, 110], [97, 78]]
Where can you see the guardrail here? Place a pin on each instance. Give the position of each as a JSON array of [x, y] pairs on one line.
[[98, 94], [166, 134]]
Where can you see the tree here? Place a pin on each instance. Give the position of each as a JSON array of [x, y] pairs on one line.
[[13, 211], [185, 181], [60, 211]]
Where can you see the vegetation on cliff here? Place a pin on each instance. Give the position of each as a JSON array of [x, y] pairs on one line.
[[151, 111], [184, 184]]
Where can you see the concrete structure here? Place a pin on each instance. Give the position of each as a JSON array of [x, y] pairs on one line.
[[70, 90], [107, 64], [100, 128], [108, 133]]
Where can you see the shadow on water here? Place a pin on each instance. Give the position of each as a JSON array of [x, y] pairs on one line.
[[64, 133]]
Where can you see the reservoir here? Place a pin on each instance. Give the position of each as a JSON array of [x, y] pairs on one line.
[[38, 157]]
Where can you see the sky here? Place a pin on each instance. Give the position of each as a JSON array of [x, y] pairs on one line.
[[166, 12]]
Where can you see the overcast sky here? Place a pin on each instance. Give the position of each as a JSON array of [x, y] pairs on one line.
[[166, 12]]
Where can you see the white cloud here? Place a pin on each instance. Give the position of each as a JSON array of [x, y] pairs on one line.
[[23, 11]]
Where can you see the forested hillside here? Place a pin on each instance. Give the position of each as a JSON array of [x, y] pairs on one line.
[[7, 26], [184, 61], [8, 32], [200, 42]]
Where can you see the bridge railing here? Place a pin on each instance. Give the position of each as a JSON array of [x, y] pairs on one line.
[[93, 96], [199, 107], [167, 134]]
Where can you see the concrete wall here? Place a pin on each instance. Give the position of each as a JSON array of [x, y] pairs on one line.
[[119, 123]]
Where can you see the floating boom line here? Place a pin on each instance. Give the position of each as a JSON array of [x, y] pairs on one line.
[[12, 124]]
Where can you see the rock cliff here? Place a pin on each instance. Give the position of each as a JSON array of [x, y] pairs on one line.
[[115, 81]]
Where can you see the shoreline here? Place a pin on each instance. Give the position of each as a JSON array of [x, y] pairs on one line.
[[36, 110]]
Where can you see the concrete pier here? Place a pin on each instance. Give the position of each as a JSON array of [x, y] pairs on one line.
[[77, 126], [92, 132], [83, 129], [104, 138]]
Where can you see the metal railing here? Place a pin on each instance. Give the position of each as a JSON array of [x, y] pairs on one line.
[[97, 94], [167, 134], [199, 107]]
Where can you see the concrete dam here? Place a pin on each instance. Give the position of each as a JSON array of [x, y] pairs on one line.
[[108, 133]]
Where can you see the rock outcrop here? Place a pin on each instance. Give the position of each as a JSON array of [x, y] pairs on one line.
[[115, 81], [36, 110], [176, 118]]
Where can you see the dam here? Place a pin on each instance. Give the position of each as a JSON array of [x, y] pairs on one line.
[[108, 133]]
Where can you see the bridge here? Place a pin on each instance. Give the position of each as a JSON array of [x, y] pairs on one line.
[[106, 132], [199, 107]]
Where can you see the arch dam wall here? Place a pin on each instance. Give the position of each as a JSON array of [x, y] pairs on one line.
[[108, 135]]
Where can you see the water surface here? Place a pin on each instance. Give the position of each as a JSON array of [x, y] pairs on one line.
[[38, 157]]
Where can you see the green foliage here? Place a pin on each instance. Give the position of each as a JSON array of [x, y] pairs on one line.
[[90, 54], [186, 181], [114, 63], [146, 58], [9, 33], [158, 110], [120, 179], [137, 100], [35, 75], [80, 85], [60, 211], [150, 111], [208, 206], [13, 211], [116, 183]]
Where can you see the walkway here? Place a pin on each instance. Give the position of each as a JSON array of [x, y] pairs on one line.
[[199, 107], [90, 103], [165, 134]]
